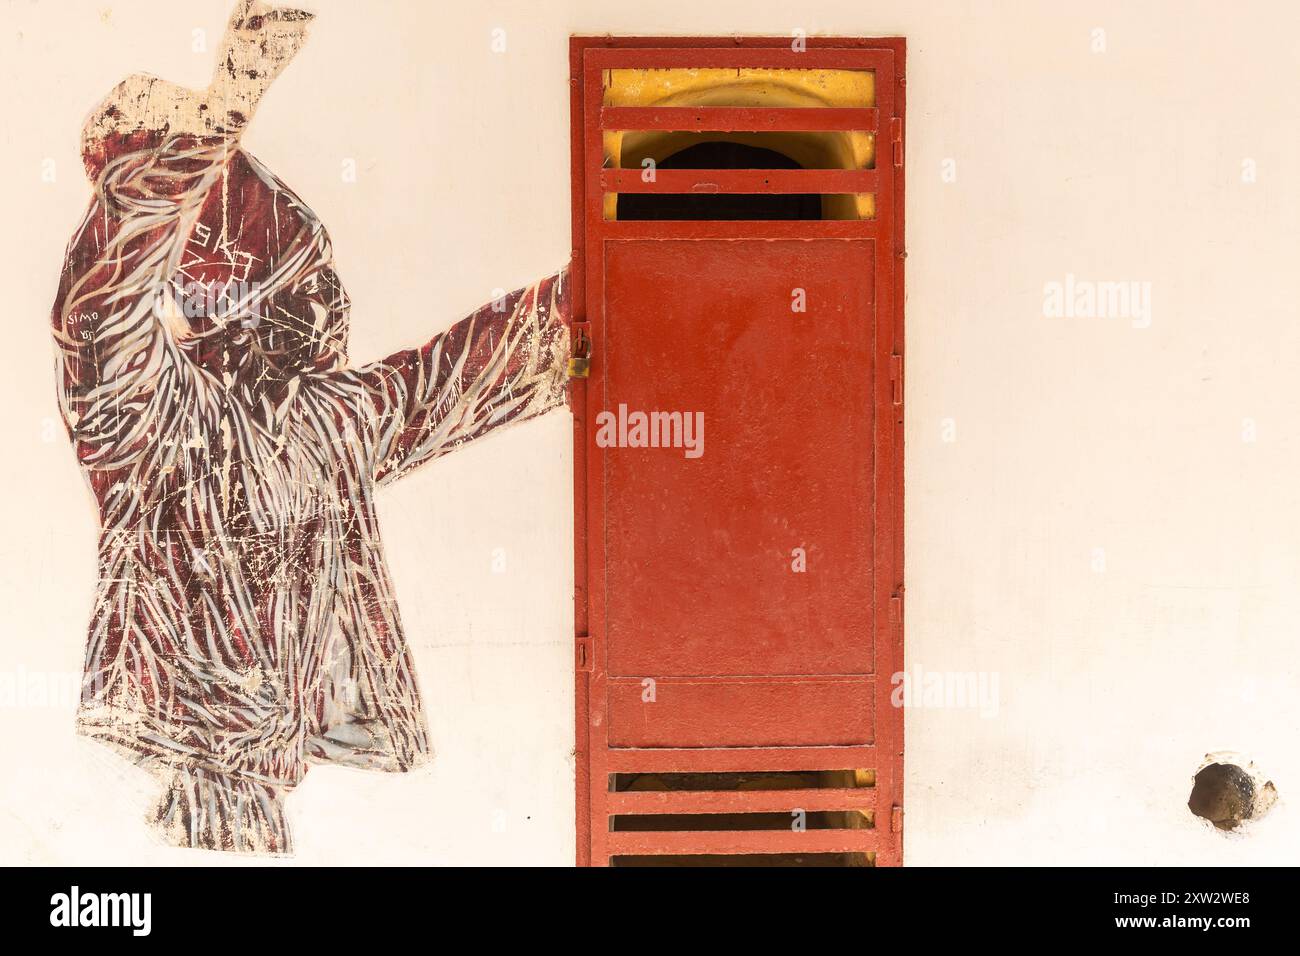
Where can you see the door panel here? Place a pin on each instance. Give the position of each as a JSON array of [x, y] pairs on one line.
[[759, 713], [738, 602], [707, 328]]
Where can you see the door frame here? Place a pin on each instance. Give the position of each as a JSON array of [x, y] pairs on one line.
[[888, 442]]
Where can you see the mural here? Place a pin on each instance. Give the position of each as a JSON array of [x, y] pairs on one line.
[[245, 624]]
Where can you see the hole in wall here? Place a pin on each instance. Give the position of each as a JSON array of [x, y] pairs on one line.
[[1229, 791]]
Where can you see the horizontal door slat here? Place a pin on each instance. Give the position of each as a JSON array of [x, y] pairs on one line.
[[751, 181], [739, 229], [818, 56], [742, 841], [725, 119], [739, 759], [743, 801]]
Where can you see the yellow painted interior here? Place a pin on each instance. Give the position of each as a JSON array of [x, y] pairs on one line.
[[747, 87]]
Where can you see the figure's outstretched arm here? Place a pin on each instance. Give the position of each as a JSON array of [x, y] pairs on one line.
[[507, 362]]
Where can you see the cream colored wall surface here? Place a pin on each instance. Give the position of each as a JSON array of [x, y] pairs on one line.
[[1102, 513]]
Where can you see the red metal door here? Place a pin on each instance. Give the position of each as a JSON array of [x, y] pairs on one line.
[[739, 591]]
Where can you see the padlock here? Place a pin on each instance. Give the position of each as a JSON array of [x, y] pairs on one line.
[[580, 361]]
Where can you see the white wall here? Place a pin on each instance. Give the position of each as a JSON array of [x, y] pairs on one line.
[[1072, 435]]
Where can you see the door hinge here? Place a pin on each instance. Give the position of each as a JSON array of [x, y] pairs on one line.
[[896, 819], [896, 137], [582, 655], [896, 377], [896, 609]]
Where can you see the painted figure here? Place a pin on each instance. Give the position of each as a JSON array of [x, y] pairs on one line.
[[245, 624]]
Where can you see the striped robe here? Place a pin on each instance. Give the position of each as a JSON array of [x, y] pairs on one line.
[[244, 624]]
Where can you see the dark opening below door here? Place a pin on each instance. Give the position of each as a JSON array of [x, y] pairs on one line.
[[722, 206]]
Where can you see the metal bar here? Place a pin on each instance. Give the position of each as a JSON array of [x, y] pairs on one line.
[[629, 681], [887, 447], [814, 43], [741, 229], [742, 801], [578, 404], [740, 759], [782, 57], [783, 181], [893, 730], [677, 842], [738, 118], [596, 725]]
